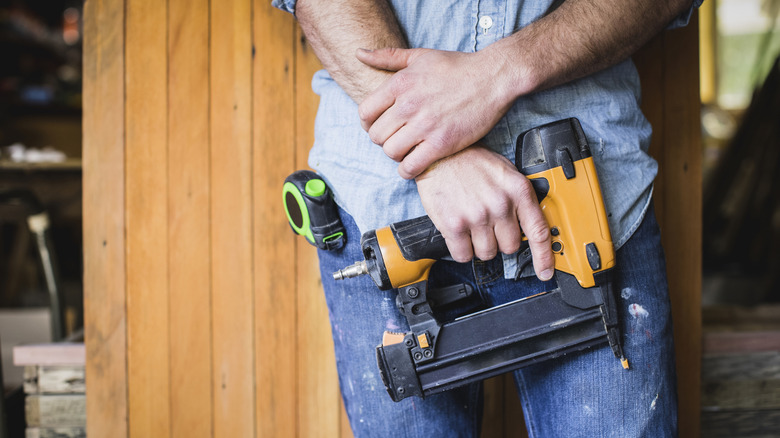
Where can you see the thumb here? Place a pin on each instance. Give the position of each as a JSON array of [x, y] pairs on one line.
[[390, 59]]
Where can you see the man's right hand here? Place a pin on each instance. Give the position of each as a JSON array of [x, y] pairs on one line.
[[480, 201]]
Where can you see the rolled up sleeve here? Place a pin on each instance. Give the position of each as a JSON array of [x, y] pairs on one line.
[[683, 19], [285, 5]]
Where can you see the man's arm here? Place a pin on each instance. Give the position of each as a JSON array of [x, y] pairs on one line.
[[336, 30], [471, 222], [441, 102]]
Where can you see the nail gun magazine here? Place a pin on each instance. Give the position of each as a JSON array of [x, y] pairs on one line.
[[579, 313]]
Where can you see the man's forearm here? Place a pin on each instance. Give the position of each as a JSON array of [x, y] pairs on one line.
[[335, 30], [579, 38], [425, 113]]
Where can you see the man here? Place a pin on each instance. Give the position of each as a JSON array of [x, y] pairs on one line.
[[446, 114]]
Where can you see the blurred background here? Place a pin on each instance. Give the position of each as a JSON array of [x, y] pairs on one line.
[[40, 181]]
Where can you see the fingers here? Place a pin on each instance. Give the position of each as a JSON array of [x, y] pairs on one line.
[[536, 230], [498, 229], [390, 59], [418, 156], [375, 104], [480, 202], [460, 246], [476, 235], [483, 238]]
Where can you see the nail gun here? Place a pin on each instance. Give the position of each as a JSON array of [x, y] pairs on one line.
[[579, 313]]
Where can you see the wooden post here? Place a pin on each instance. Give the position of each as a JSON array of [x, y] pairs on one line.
[[669, 69]]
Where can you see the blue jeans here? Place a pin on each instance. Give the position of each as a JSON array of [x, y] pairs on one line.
[[585, 394]]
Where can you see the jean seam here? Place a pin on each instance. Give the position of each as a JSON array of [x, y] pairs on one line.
[[483, 280], [476, 390]]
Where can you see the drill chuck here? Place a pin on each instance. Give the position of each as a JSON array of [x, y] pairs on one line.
[[357, 269]]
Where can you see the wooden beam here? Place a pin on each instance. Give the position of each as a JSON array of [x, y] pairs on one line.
[[232, 252], [189, 219], [104, 215], [668, 66], [146, 218], [273, 142]]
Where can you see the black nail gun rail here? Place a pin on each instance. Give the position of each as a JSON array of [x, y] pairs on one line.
[[579, 313]]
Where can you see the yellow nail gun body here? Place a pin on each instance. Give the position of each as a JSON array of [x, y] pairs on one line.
[[579, 313]]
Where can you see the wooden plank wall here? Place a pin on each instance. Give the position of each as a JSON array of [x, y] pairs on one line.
[[204, 314], [669, 66]]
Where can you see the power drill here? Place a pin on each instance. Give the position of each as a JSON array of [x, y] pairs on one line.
[[579, 313]]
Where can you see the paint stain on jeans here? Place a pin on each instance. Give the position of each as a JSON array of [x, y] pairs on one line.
[[655, 401], [638, 311]]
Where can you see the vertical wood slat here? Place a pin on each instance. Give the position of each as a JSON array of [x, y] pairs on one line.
[[276, 348], [682, 215], [146, 180], [231, 219], [319, 399], [104, 208], [493, 418], [189, 219], [669, 69]]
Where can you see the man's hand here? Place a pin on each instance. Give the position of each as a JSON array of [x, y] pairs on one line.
[[477, 198], [437, 104]]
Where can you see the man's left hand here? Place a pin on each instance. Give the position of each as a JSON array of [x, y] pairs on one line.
[[436, 104]]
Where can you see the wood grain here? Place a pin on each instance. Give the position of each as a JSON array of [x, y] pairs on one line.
[[276, 345], [146, 218], [104, 215], [681, 232], [232, 279], [668, 66], [189, 219]]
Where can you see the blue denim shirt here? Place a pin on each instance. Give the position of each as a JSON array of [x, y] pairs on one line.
[[365, 182]]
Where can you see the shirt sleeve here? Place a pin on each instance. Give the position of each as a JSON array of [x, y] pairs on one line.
[[683, 19], [289, 5]]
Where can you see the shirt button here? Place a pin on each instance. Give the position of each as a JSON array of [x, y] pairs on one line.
[[485, 22]]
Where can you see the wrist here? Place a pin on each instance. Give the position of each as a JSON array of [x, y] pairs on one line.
[[517, 76]]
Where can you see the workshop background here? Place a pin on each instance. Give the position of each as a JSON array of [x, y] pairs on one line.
[[143, 145]]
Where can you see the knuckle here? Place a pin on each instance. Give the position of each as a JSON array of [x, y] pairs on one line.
[[525, 190], [538, 232], [405, 174], [462, 258], [408, 170], [454, 225], [501, 207], [510, 247], [363, 113], [480, 215], [402, 82], [439, 142], [486, 253], [375, 137], [394, 155], [406, 106]]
